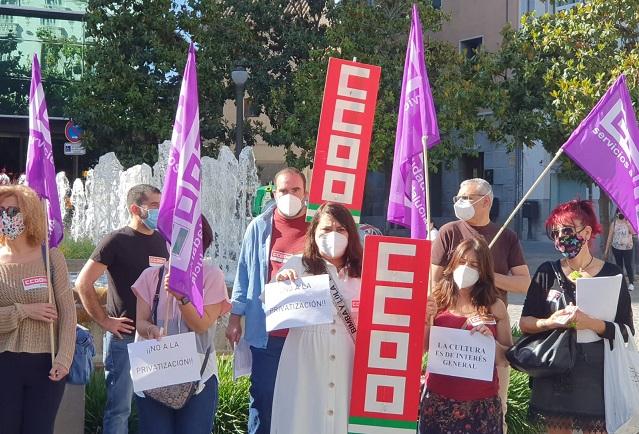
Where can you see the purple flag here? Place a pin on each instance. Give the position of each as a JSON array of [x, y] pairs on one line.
[[604, 145], [417, 119], [180, 216], [40, 174]]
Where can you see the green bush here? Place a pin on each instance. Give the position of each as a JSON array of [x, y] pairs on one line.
[[232, 408], [80, 249]]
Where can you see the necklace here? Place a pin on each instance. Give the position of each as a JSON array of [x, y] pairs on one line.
[[592, 258]]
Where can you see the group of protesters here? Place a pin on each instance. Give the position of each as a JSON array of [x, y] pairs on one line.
[[300, 380]]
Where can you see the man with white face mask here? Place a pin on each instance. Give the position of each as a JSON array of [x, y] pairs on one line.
[[472, 207], [270, 239]]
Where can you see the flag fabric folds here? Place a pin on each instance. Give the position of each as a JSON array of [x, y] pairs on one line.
[[40, 170], [604, 145], [180, 215], [417, 119]]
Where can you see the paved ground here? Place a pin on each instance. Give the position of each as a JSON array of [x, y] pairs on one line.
[[537, 252]]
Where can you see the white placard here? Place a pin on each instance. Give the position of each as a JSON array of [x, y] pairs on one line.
[[598, 298], [242, 359], [304, 302], [171, 360], [457, 353]]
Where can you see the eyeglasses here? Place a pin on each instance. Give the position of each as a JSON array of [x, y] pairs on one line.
[[565, 231], [10, 211], [467, 197]]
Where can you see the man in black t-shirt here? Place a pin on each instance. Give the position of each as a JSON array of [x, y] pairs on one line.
[[123, 255]]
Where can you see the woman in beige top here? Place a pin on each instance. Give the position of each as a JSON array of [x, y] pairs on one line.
[[31, 386]]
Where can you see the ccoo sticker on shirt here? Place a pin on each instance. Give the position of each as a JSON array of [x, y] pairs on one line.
[[156, 261], [277, 256], [476, 320], [35, 282]]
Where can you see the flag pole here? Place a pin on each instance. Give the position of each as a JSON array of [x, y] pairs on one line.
[[166, 311], [427, 198], [528, 193], [49, 284]]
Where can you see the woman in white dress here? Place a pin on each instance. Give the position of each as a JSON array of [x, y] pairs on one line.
[[313, 386]]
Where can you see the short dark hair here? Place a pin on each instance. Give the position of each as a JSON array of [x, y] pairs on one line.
[[207, 234], [292, 170], [138, 194]]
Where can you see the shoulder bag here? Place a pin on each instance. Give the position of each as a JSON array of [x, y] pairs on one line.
[[177, 395], [548, 353]]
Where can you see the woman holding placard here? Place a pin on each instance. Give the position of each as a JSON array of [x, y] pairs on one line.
[[575, 400], [466, 298], [313, 385], [31, 383], [198, 413]]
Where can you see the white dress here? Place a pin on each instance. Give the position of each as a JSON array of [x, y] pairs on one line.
[[313, 386]]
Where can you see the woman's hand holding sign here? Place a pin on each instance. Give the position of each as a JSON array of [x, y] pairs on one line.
[[287, 274]]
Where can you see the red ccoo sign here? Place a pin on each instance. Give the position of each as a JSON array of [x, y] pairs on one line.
[[344, 135], [390, 336]]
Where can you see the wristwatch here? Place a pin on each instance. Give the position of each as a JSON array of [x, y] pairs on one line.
[[185, 300]]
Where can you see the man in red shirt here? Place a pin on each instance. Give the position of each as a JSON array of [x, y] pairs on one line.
[[270, 239]]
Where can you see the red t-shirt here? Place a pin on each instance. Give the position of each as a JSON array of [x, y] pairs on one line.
[[287, 239], [461, 389]]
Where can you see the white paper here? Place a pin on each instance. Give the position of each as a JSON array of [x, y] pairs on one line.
[[457, 353], [171, 360], [303, 302], [597, 297], [242, 359]]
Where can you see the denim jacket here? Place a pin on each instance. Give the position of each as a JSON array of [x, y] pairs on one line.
[[251, 276]]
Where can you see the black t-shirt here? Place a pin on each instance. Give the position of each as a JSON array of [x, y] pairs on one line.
[[539, 304], [126, 253]]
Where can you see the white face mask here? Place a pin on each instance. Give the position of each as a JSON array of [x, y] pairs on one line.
[[331, 245], [465, 276], [464, 209], [289, 205]]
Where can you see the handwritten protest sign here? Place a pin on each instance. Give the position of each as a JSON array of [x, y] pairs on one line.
[[303, 302], [457, 353], [171, 360]]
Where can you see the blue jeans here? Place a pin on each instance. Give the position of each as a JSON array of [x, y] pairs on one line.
[[263, 374], [196, 417], [118, 383]]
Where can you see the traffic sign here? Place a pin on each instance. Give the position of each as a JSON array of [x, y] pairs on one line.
[[74, 149], [73, 132]]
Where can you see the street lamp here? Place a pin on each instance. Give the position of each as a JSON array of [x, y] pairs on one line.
[[239, 76]]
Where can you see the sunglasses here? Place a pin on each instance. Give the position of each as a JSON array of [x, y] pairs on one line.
[[566, 231], [10, 211]]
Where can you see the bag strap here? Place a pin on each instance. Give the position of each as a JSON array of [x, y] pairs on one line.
[[156, 297], [342, 308], [560, 281]]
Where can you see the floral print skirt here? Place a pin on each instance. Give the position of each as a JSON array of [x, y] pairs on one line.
[[441, 415]]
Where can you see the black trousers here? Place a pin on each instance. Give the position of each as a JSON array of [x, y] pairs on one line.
[[29, 401], [623, 258]]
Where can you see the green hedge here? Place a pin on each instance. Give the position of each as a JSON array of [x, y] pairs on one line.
[[80, 249], [232, 411]]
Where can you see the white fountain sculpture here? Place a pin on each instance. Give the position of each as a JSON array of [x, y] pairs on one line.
[[228, 188]]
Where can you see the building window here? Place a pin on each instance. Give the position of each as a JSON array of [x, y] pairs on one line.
[[561, 5], [469, 47]]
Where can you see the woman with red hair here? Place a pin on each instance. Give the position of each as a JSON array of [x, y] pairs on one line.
[[575, 400]]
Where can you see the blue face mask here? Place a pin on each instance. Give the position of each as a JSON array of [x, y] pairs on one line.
[[151, 220]]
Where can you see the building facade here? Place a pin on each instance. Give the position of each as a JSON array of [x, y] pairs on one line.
[[54, 30], [477, 24]]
